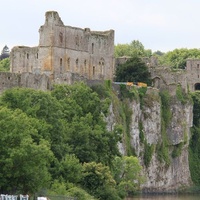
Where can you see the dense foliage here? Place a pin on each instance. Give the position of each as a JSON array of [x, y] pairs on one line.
[[134, 70], [163, 148], [58, 141], [132, 49], [194, 150], [5, 65], [176, 59]]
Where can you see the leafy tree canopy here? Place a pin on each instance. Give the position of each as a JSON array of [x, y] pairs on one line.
[[43, 106], [20, 141], [177, 58], [132, 49], [134, 70], [74, 117], [127, 173], [194, 147], [98, 181], [5, 65], [57, 140]]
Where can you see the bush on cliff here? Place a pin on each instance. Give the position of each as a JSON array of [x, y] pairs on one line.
[[134, 70], [194, 147]]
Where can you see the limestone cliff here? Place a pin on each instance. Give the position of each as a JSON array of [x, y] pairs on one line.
[[159, 141]]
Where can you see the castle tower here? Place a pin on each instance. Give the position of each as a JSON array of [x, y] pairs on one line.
[[66, 50]]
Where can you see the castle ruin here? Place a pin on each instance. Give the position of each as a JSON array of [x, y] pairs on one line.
[[167, 78], [65, 50], [68, 54]]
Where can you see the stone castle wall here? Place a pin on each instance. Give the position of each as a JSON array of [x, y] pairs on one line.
[[63, 49], [38, 81], [68, 53], [167, 78], [26, 79]]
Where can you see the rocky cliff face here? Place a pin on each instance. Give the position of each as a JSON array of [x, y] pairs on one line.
[[161, 146]]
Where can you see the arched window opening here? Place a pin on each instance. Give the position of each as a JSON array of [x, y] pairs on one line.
[[101, 65], [37, 55], [197, 86], [27, 56]]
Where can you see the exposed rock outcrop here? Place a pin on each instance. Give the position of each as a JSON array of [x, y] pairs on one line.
[[161, 175]]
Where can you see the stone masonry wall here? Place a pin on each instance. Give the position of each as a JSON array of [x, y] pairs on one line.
[[63, 49]]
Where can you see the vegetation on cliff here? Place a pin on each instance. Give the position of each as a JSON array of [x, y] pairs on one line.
[[58, 141], [194, 150]]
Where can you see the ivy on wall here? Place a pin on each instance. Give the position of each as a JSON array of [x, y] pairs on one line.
[[163, 147]]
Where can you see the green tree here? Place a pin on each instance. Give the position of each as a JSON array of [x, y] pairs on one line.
[[25, 156], [177, 58], [70, 119], [43, 106], [98, 181], [86, 129], [70, 169], [122, 50], [134, 70], [194, 146], [135, 48], [5, 65], [127, 173]]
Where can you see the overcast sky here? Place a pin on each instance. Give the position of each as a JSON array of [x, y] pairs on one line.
[[158, 24]]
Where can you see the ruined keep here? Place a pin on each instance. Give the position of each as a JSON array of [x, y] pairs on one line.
[[65, 50]]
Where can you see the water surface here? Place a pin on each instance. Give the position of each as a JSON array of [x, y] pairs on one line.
[[166, 197]]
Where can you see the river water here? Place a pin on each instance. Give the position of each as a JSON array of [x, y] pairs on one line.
[[167, 197]]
